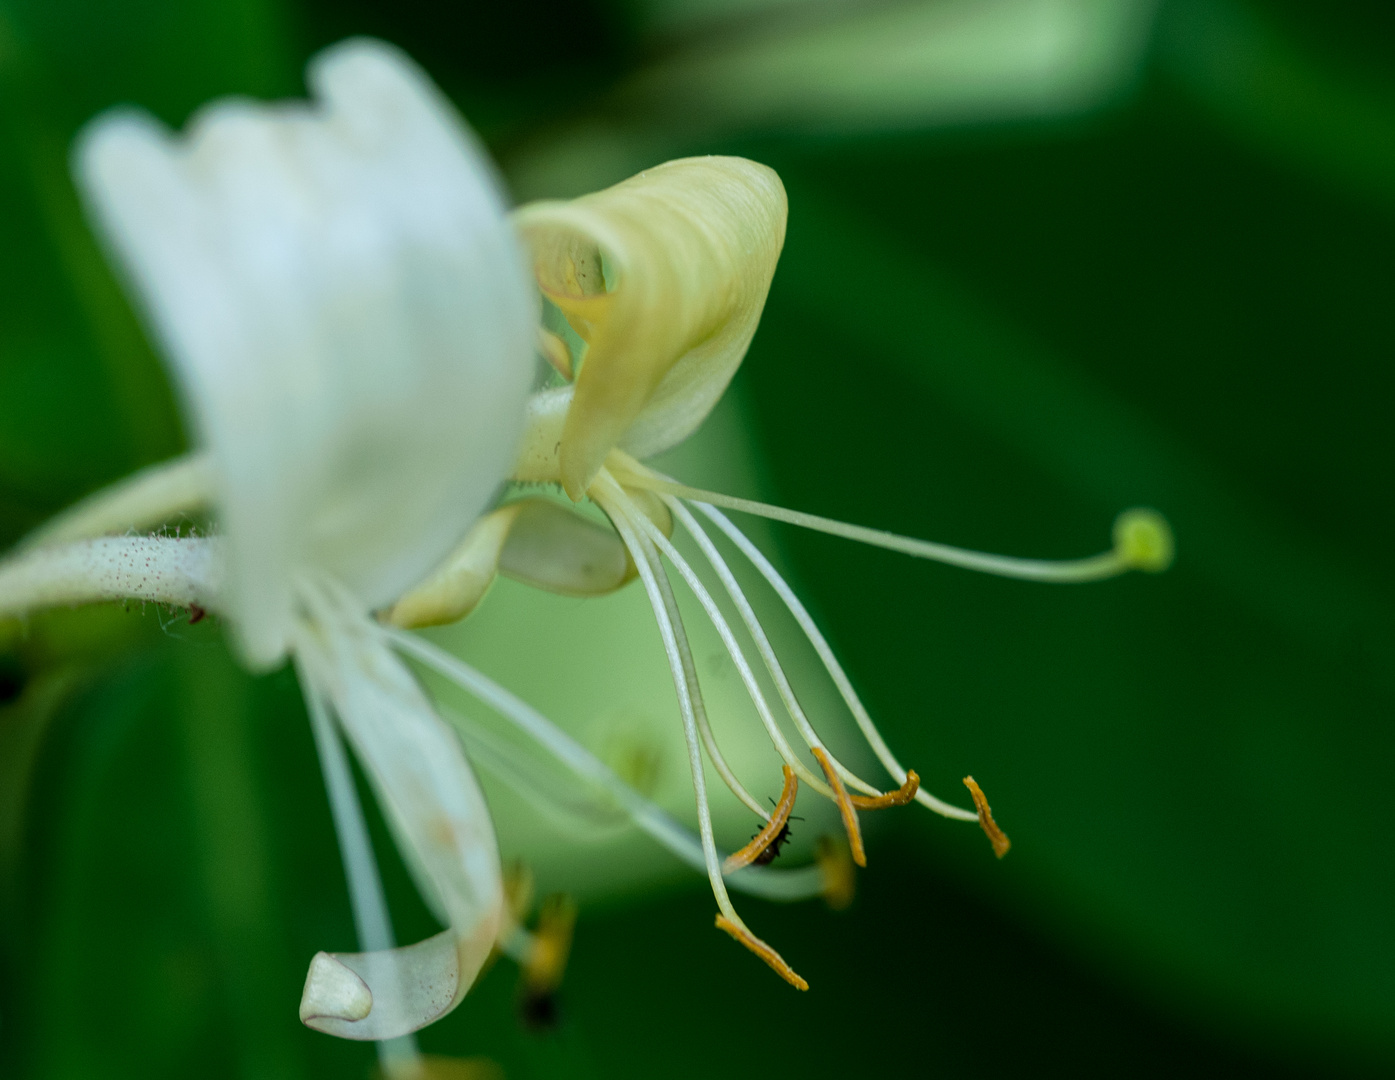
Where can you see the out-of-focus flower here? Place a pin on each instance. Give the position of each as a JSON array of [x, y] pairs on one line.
[[664, 278], [345, 308]]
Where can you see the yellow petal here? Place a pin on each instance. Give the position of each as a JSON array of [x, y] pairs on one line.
[[690, 248], [553, 547], [533, 540], [455, 588]]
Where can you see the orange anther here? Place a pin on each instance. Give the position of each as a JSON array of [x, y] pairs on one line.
[[839, 879], [763, 839], [764, 951], [845, 806], [900, 797], [996, 836]]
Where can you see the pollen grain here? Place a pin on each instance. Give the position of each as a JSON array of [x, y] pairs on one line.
[[845, 806], [900, 797], [764, 951], [767, 836], [996, 836]]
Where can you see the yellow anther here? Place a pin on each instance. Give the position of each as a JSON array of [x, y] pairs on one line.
[[762, 840], [996, 836], [900, 797], [839, 880], [1143, 540], [552, 944], [764, 951], [845, 806]]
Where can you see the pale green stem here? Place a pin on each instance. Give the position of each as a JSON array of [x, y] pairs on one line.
[[182, 572]]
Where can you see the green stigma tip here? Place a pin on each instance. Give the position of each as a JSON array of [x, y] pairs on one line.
[[1143, 540]]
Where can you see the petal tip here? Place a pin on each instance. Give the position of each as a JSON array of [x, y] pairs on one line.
[[333, 992]]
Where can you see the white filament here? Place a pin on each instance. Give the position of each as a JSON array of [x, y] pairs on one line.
[[767, 882], [830, 662]]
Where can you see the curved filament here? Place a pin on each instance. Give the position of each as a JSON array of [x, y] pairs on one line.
[[777, 823], [766, 882], [830, 662], [845, 808]]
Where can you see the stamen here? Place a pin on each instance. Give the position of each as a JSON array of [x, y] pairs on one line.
[[840, 881], [764, 951], [845, 807], [830, 661], [734, 651], [608, 490], [996, 836], [547, 959], [900, 797], [552, 944], [685, 655], [1107, 564], [613, 501], [763, 839], [687, 670], [770, 883], [763, 646]]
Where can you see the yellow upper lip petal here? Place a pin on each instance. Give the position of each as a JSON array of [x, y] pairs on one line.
[[689, 249]]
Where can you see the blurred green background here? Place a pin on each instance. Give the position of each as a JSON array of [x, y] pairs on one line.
[[1046, 259]]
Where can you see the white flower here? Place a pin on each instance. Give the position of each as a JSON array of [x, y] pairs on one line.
[[341, 302], [663, 278], [358, 368], [344, 307]]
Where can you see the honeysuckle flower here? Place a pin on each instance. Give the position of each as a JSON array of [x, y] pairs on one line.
[[346, 312], [663, 278]]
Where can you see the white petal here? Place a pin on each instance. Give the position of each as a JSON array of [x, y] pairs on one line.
[[347, 314], [333, 993], [432, 801], [412, 986]]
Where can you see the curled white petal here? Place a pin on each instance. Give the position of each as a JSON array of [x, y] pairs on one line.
[[432, 801], [405, 989], [333, 993], [347, 313]]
